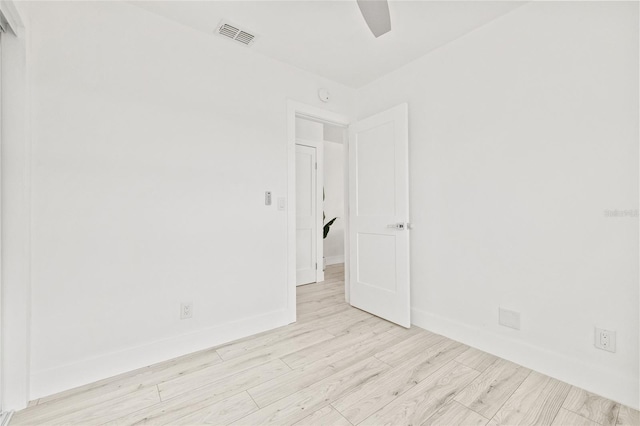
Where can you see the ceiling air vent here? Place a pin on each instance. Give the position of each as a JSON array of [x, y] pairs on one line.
[[232, 31]]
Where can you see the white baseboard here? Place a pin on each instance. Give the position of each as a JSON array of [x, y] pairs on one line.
[[48, 382], [334, 260], [591, 377]]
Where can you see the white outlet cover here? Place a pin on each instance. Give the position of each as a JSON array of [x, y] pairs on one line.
[[605, 339], [509, 318], [186, 310]]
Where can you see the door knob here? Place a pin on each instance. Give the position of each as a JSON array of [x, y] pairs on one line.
[[400, 226]]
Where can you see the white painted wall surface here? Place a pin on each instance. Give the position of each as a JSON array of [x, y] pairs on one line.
[[331, 133], [334, 201], [309, 130], [523, 133], [153, 145], [16, 303]]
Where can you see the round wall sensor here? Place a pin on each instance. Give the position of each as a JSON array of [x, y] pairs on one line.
[[323, 94]]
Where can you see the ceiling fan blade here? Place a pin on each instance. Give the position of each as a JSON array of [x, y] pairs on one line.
[[376, 15]]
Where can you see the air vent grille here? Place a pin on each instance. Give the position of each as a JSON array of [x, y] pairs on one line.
[[245, 38], [228, 30]]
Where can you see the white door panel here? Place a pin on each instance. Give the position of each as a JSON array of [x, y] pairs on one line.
[[306, 221], [376, 173], [378, 201]]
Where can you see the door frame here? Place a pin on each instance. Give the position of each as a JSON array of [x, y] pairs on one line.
[[302, 110], [319, 147], [15, 211]]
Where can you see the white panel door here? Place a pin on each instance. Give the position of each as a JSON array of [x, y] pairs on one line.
[[306, 220], [379, 215]]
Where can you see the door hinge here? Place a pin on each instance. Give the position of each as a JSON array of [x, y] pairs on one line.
[[316, 166], [316, 266]]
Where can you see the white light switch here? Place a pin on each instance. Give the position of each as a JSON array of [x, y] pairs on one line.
[[282, 203]]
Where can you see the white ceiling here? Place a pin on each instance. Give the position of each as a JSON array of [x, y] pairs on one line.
[[330, 38]]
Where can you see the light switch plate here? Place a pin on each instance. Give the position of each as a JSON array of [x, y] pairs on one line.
[[282, 203]]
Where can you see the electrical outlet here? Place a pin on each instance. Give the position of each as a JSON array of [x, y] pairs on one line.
[[509, 318], [186, 310], [605, 340]]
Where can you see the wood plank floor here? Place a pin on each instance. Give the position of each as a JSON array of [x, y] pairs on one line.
[[336, 366]]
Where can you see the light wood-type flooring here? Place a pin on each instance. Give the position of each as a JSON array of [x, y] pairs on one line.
[[336, 366]]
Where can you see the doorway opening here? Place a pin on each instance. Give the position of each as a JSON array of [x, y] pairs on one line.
[[308, 127], [320, 218], [334, 214], [376, 203]]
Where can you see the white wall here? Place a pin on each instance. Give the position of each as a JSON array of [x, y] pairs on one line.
[[332, 133], [153, 145], [309, 130], [15, 214], [334, 201], [523, 133]]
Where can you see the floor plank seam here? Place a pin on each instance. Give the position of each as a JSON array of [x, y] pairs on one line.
[[562, 405], [204, 408], [285, 363], [254, 401], [437, 409], [341, 414], [469, 366], [505, 401], [514, 391], [333, 373], [327, 331], [483, 416], [279, 399], [398, 396], [376, 357], [181, 394], [586, 418]]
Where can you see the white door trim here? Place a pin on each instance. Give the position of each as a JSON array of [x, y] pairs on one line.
[[12, 18], [319, 146], [16, 213], [296, 108]]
